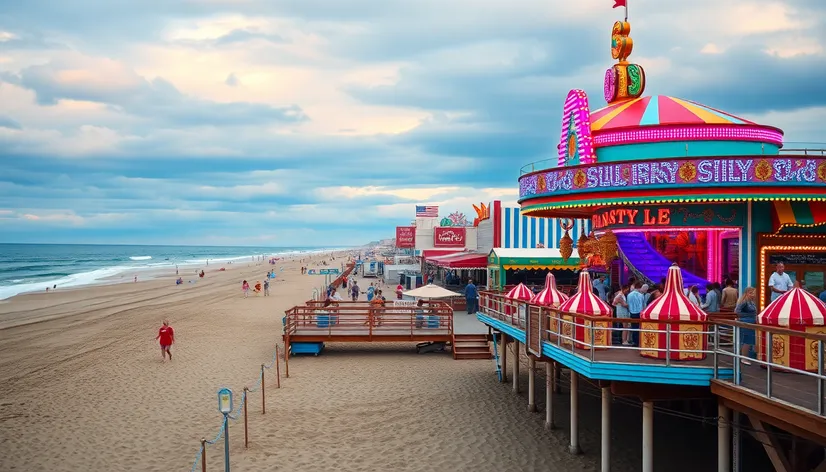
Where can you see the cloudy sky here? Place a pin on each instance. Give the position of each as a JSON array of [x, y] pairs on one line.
[[317, 122]]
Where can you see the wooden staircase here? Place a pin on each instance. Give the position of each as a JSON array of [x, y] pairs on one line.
[[471, 346]]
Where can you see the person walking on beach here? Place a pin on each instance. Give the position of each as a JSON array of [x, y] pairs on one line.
[[354, 291], [166, 335], [245, 287], [266, 287], [370, 292]]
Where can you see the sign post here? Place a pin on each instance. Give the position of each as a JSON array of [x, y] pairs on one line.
[[225, 407]]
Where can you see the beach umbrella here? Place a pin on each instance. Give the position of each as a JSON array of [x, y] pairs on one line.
[[431, 291], [584, 301], [673, 305], [796, 307], [549, 296], [520, 292]]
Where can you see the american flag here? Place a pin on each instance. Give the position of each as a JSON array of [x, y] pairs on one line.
[[427, 211]]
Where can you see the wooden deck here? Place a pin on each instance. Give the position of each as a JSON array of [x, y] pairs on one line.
[[362, 322]]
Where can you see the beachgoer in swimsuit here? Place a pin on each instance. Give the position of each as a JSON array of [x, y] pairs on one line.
[[246, 288]]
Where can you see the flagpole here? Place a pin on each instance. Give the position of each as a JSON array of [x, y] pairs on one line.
[[626, 11]]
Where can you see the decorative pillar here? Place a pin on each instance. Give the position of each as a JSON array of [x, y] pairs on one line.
[[606, 429], [549, 395], [574, 446], [723, 438], [531, 384], [516, 346], [648, 436], [504, 357]]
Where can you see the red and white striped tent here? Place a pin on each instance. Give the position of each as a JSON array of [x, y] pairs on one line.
[[520, 292], [687, 341], [549, 296], [673, 304], [584, 301], [796, 307]]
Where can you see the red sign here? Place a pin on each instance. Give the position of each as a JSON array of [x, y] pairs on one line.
[[446, 236], [405, 236]]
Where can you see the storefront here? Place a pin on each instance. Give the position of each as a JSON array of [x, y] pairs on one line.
[[511, 266]]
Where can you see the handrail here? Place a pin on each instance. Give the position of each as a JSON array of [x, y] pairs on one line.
[[817, 149], [768, 373], [347, 318]]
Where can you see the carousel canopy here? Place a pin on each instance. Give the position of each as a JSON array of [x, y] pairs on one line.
[[796, 307], [660, 110], [520, 292], [584, 301], [673, 305], [549, 296]]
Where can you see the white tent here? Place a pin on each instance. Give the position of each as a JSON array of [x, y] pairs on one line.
[[431, 291]]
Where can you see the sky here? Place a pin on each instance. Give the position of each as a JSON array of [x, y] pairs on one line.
[[324, 122]]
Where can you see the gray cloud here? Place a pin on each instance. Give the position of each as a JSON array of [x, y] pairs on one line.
[[126, 91], [6, 122]]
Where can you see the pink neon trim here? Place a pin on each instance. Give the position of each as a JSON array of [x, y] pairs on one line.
[[689, 133]]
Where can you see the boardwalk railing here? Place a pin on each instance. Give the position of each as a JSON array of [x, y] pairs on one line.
[[792, 372], [360, 319]]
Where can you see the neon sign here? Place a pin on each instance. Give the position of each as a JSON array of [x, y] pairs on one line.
[[675, 173], [681, 216]]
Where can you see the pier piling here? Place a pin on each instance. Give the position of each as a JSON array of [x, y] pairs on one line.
[[516, 345], [723, 438], [648, 436], [531, 384], [606, 430], [549, 395], [574, 446]]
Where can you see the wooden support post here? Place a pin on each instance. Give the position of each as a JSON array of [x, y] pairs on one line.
[[549, 395], [287, 359], [264, 386], [203, 455], [723, 438], [516, 356], [246, 423], [277, 369], [606, 430], [531, 384], [772, 446], [574, 446]]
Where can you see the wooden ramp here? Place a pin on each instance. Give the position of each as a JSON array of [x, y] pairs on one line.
[[471, 346]]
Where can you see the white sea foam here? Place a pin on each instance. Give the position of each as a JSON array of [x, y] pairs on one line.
[[140, 258], [74, 280]]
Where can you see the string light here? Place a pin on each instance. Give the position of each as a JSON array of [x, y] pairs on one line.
[[689, 133], [763, 265]]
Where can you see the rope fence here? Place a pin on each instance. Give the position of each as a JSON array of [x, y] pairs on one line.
[[260, 386]]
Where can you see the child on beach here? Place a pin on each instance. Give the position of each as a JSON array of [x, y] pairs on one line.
[[166, 335], [245, 287]]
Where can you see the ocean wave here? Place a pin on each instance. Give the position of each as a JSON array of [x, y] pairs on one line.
[[140, 258], [72, 280]]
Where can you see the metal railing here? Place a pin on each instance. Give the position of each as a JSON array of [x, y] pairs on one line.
[[792, 148], [792, 372]]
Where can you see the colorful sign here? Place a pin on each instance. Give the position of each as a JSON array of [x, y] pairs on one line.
[[666, 216], [405, 237], [323, 271], [449, 236], [729, 171]]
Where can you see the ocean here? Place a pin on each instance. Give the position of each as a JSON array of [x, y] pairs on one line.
[[33, 267]]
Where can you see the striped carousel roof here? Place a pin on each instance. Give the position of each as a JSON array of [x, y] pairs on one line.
[[520, 292], [673, 305], [584, 301], [796, 307], [549, 296], [659, 110]]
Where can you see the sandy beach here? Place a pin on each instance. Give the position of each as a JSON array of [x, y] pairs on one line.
[[85, 389]]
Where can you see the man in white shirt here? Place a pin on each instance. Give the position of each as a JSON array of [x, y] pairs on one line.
[[779, 282]]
